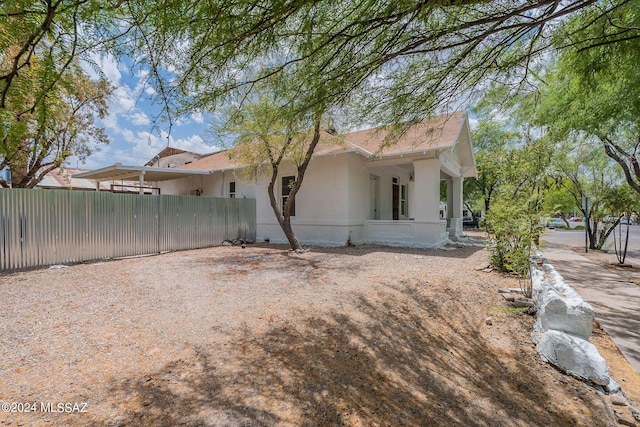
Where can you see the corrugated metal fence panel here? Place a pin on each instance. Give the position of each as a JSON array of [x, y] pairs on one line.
[[191, 222], [44, 227], [99, 225], [247, 219], [168, 219]]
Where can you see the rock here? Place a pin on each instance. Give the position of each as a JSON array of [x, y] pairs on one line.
[[565, 312], [488, 321], [618, 400], [226, 243], [560, 307], [574, 355], [507, 296], [635, 413], [482, 267], [625, 421], [523, 302], [613, 387]]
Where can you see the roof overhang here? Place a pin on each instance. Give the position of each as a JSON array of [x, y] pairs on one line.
[[134, 173]]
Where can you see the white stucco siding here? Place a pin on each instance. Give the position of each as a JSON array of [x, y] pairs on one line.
[[182, 186], [357, 196], [322, 204]]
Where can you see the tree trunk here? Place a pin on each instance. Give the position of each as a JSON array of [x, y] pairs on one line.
[[284, 217]]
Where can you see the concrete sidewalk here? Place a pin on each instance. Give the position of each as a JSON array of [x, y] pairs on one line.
[[615, 300]]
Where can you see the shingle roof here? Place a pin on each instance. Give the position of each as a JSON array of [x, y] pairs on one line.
[[63, 178], [434, 133]]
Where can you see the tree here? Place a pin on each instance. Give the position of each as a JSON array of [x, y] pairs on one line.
[[61, 124], [591, 89], [492, 142], [584, 170], [515, 221], [402, 59], [268, 132], [47, 104]]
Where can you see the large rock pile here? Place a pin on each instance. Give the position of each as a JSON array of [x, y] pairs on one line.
[[563, 327]]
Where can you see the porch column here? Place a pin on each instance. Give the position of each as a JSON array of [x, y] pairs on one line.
[[454, 205], [141, 191], [426, 202]]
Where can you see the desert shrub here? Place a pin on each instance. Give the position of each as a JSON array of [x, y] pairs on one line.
[[513, 236]]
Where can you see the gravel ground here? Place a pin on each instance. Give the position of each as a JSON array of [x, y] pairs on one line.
[[363, 336]]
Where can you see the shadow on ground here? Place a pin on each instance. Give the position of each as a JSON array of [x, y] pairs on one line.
[[453, 251], [411, 358]]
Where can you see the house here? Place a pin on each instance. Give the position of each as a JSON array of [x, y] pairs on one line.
[[63, 178], [353, 192], [171, 157]]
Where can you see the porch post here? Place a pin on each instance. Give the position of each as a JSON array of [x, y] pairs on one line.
[[449, 198], [141, 191], [426, 203], [454, 202]]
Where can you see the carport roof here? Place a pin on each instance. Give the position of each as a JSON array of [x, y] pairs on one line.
[[151, 174]]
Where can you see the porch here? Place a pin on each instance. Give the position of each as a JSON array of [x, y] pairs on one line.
[[404, 201], [405, 233]]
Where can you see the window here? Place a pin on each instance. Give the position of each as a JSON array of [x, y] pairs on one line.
[[395, 199], [232, 190], [403, 200], [287, 183]]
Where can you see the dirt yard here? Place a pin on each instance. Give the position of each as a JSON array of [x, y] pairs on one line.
[[364, 336]]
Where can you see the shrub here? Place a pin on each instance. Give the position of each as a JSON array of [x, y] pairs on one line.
[[513, 235]]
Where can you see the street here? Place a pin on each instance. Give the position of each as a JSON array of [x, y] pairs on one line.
[[577, 238]]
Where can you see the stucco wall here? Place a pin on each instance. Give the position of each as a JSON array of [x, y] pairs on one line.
[[322, 205], [332, 207]]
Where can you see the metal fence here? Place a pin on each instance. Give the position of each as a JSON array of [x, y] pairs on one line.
[[45, 227]]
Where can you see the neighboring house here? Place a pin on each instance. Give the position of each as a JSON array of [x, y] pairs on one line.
[[353, 192], [64, 179], [171, 157]]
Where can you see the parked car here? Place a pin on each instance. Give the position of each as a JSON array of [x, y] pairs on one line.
[[576, 219], [556, 222], [470, 221]]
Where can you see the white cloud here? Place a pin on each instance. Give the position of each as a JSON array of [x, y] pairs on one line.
[[108, 65], [197, 117], [139, 119]]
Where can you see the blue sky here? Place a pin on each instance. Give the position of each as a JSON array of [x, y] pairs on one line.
[[134, 138]]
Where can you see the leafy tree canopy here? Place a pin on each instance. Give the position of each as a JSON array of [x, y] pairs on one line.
[[48, 104], [398, 60]]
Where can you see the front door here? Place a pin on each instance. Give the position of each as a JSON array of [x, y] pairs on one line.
[[395, 199]]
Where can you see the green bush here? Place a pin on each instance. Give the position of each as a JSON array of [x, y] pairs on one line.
[[513, 233]]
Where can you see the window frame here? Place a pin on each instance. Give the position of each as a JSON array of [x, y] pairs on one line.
[[404, 205], [232, 189]]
